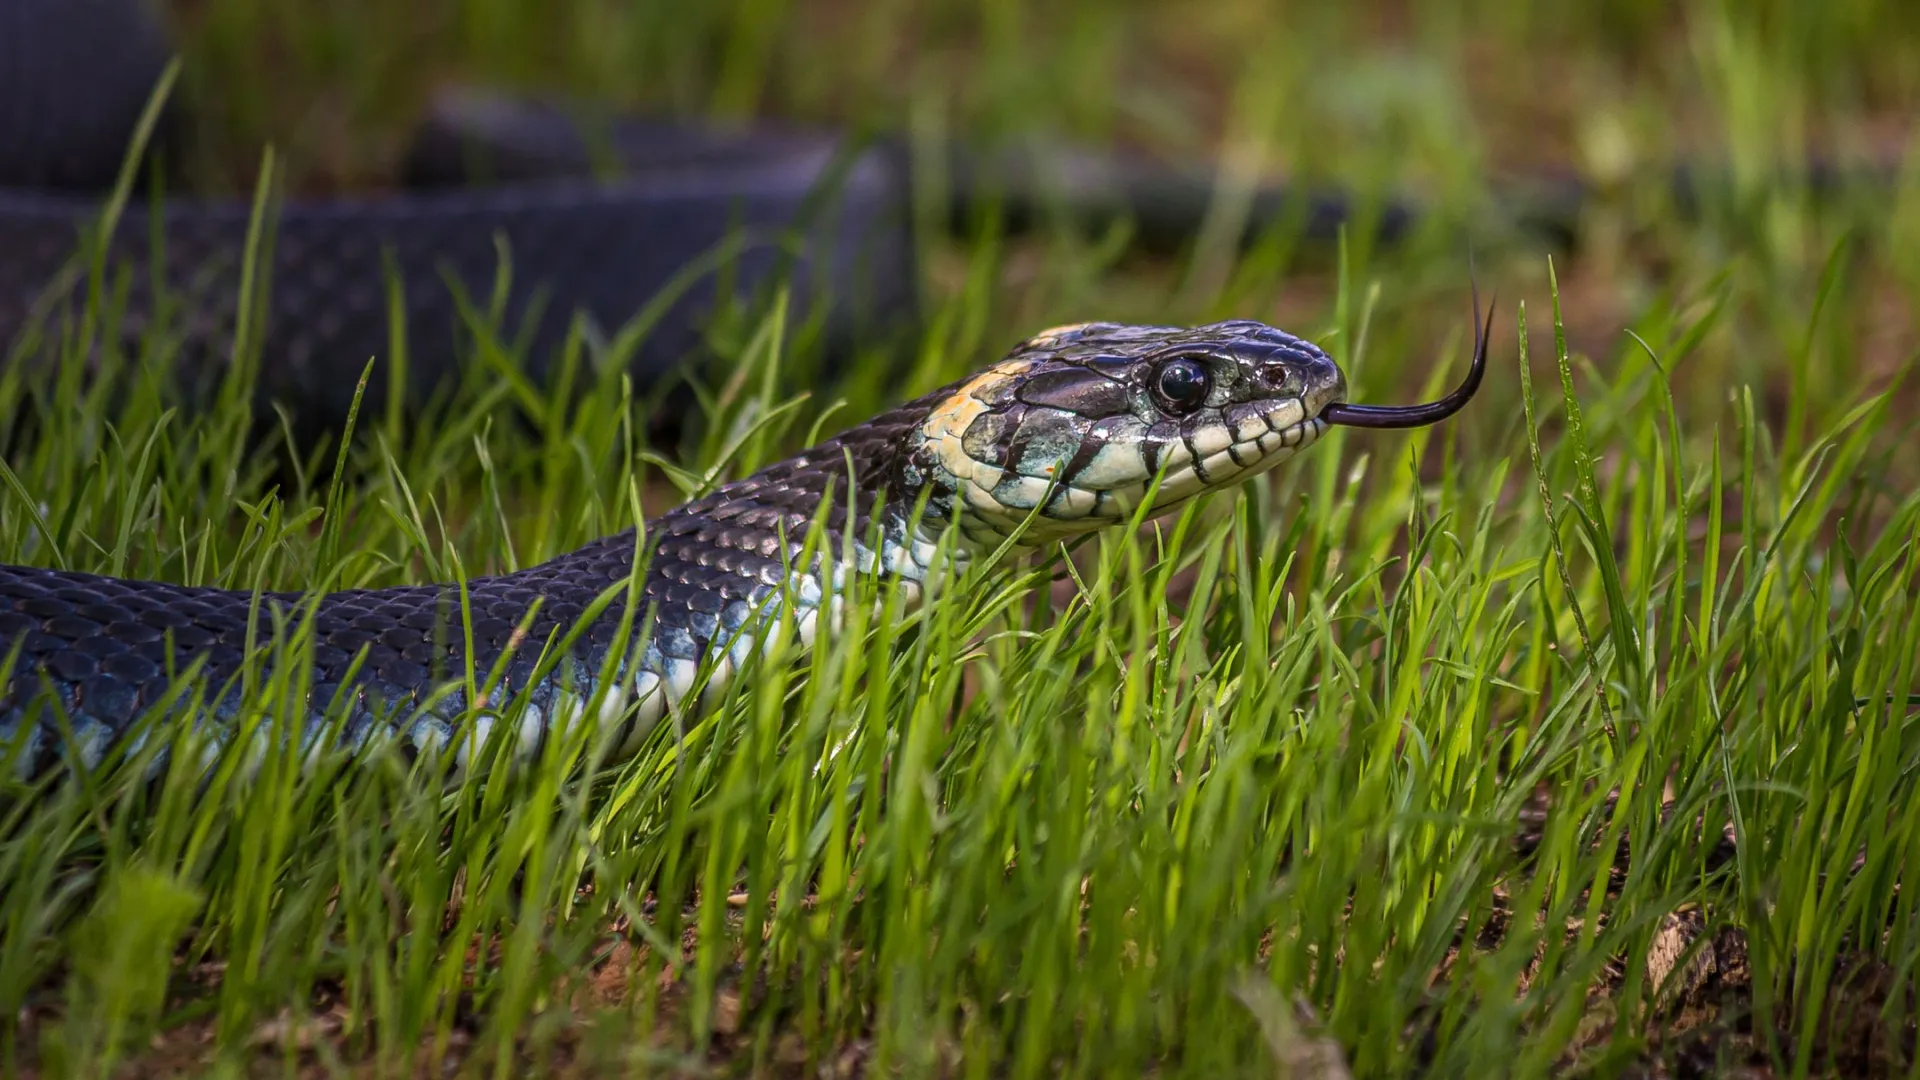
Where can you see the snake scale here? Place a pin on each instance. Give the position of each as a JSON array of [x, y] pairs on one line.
[[1067, 434]]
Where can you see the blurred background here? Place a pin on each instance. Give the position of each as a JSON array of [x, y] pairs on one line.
[[1662, 153]]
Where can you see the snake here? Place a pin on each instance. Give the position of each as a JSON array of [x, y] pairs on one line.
[[1076, 429]]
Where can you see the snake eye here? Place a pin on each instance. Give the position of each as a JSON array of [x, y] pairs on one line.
[[1182, 385]]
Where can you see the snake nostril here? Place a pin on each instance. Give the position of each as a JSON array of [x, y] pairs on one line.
[[1276, 378]]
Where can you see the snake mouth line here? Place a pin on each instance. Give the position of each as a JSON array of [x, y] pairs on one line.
[[1432, 412]]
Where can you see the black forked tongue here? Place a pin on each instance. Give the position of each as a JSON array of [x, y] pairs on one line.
[[1407, 416]]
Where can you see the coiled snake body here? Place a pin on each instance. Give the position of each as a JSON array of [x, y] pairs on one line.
[[1067, 434]]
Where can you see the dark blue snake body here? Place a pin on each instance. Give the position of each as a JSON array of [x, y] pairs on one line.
[[97, 652], [1079, 428]]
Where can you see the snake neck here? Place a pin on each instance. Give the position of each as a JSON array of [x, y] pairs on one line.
[[878, 506]]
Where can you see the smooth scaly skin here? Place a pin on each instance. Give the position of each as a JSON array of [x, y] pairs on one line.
[[1069, 419]]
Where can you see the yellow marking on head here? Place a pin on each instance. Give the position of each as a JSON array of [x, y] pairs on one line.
[[949, 420], [1053, 334]]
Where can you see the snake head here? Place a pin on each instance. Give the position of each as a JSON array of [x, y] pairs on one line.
[[1080, 421]]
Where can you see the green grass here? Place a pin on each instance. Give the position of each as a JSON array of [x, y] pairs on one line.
[[1245, 779]]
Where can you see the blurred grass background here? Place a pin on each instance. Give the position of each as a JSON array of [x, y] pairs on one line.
[[1322, 762], [1413, 89], [1442, 100]]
